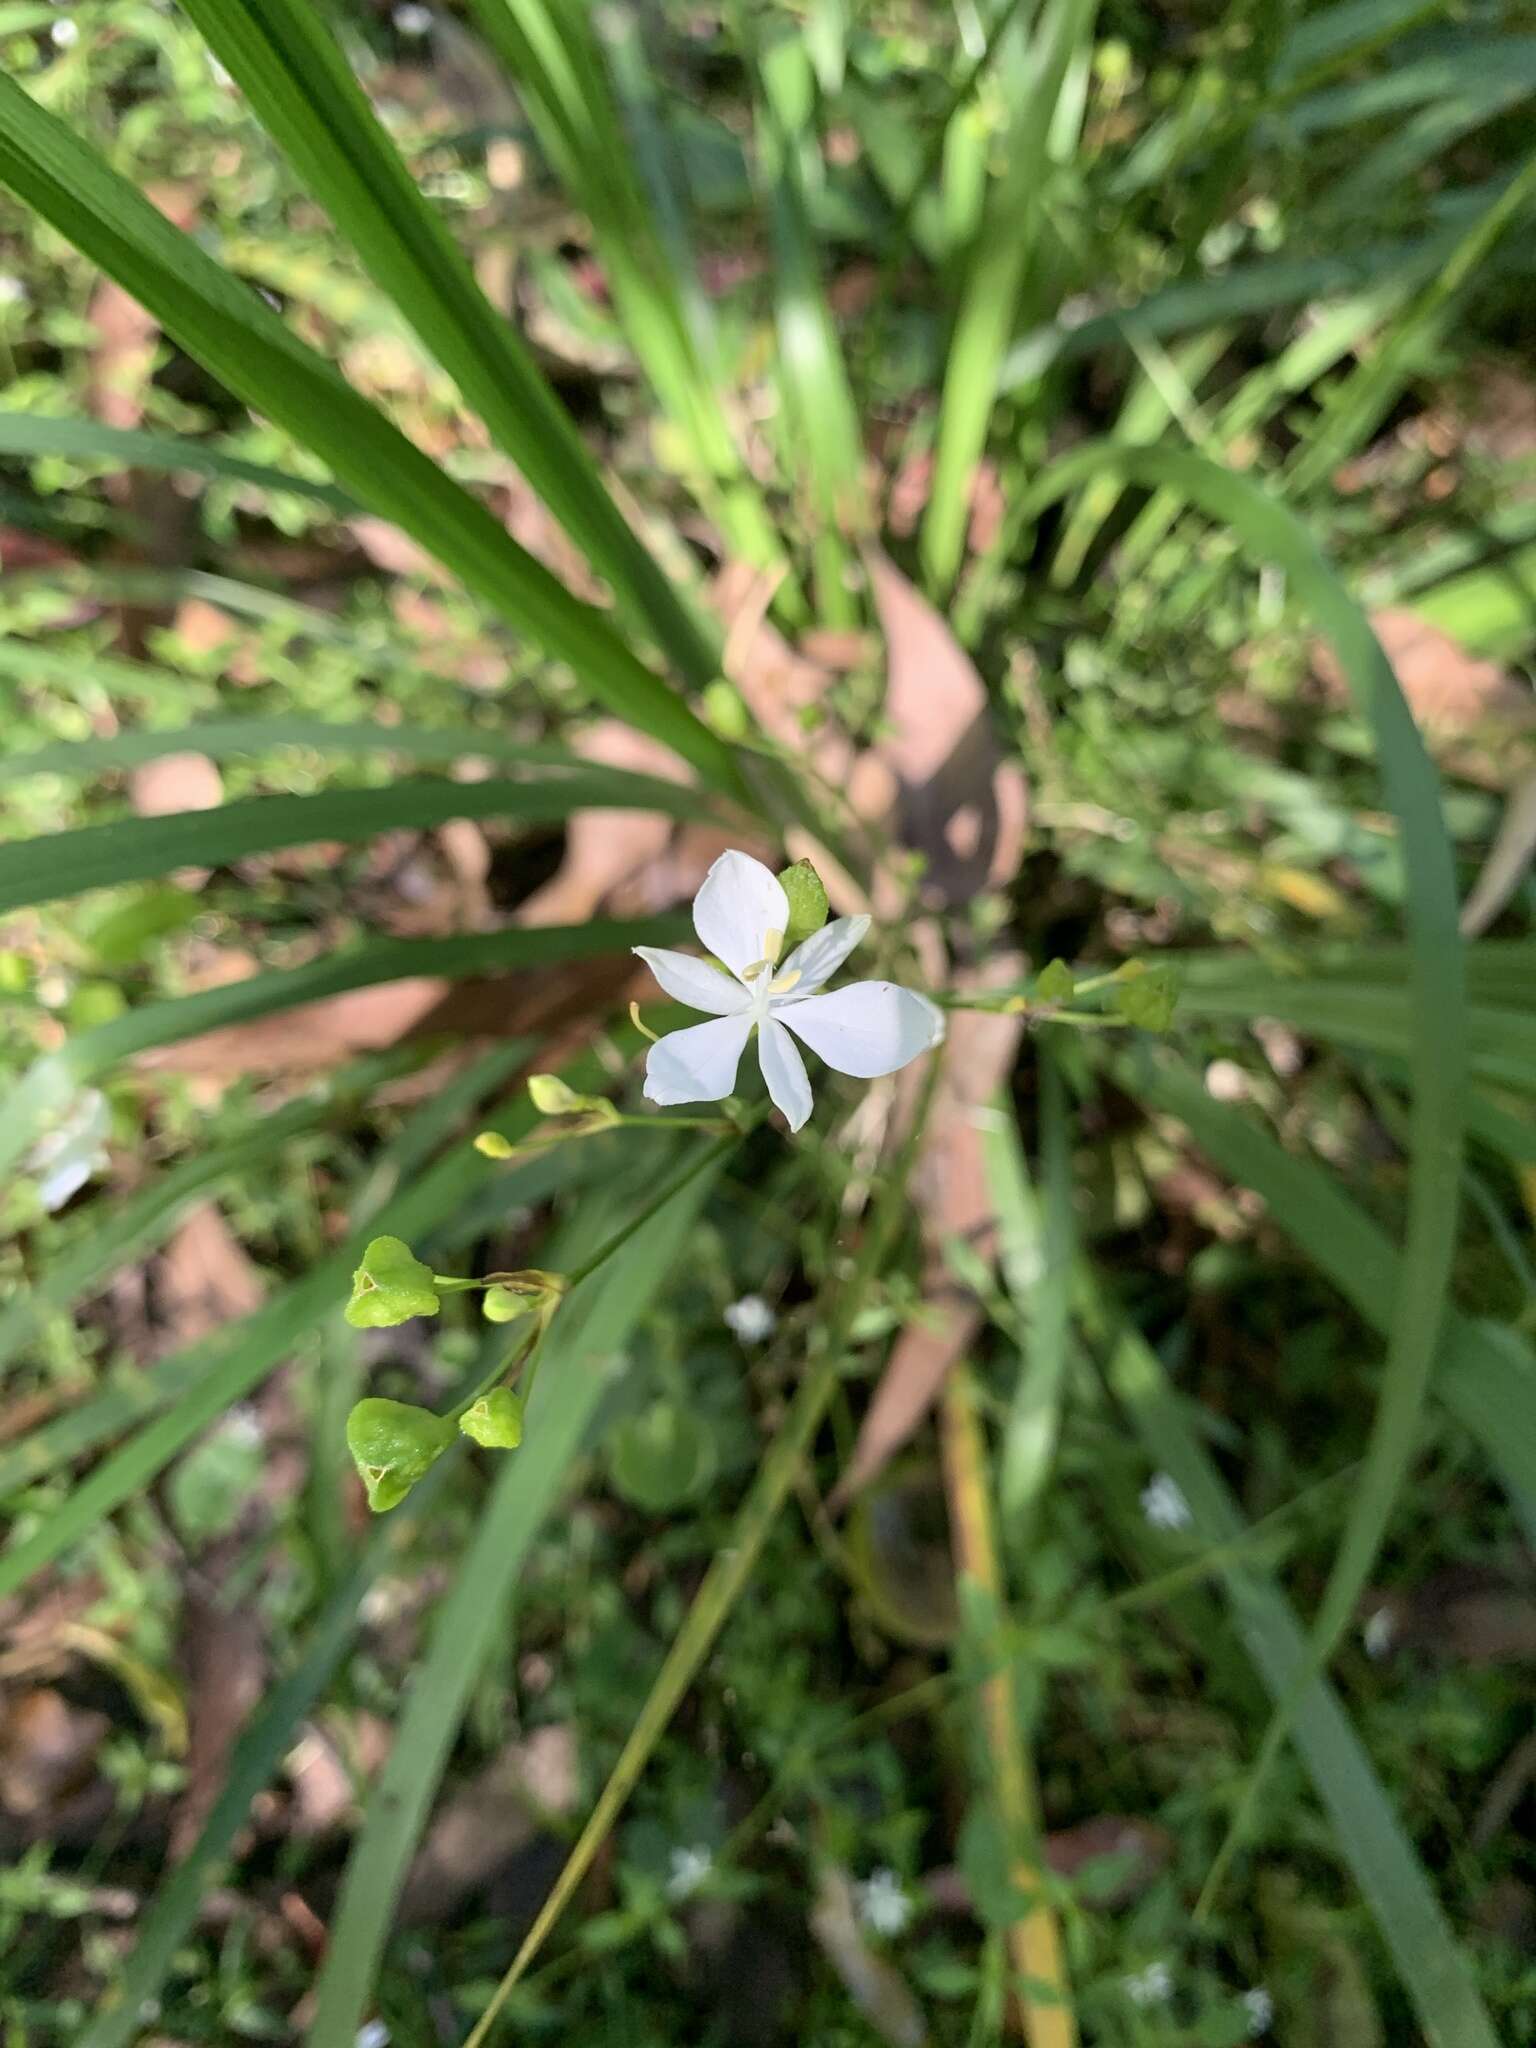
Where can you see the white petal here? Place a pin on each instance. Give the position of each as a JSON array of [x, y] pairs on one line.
[[821, 955], [784, 1071], [866, 1029], [695, 982], [699, 1064], [740, 903]]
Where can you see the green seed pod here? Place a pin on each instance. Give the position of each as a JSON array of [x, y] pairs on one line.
[[393, 1444], [1055, 984], [390, 1286], [1150, 999], [495, 1420], [808, 904]]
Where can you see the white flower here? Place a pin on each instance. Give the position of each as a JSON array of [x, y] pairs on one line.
[[374, 2034], [411, 19], [740, 915], [1260, 2009], [687, 1870], [65, 1159], [1163, 1503], [65, 34], [750, 1319], [884, 1906], [1378, 1632], [12, 291], [1151, 1986]]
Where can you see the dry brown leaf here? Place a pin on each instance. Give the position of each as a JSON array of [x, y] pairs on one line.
[[1449, 691], [176, 782], [873, 1982], [949, 1187], [959, 802], [47, 1750], [225, 1661], [480, 1829], [203, 1279], [307, 1039]]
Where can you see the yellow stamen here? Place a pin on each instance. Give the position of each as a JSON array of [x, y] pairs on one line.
[[773, 946], [785, 983], [643, 1029]]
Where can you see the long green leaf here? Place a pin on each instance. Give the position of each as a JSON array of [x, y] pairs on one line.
[[282, 54], [224, 739], [23, 433], [132, 849], [590, 1330], [989, 300], [1438, 1052], [1370, 1837], [244, 343], [49, 1084], [1484, 1375]]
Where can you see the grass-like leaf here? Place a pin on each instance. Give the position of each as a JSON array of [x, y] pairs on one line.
[[237, 336], [133, 849], [284, 57]]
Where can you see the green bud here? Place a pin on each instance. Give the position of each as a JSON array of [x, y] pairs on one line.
[[1149, 999], [393, 1444], [551, 1097], [492, 1145], [726, 710], [502, 1305], [495, 1420], [1056, 983], [390, 1286], [808, 904]]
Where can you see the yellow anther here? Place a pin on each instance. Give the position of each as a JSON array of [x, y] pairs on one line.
[[773, 946], [785, 983], [758, 967]]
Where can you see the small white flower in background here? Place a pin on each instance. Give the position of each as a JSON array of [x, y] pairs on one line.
[[12, 291], [374, 2035], [242, 1425], [1163, 1503], [884, 1905], [751, 1319], [411, 19], [1378, 1632], [1260, 2009], [741, 914], [65, 34], [65, 1159], [1151, 1986], [687, 1870]]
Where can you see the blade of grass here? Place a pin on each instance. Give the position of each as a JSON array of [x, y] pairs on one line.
[[551, 54], [1485, 1376], [264, 1742], [1034, 1939], [284, 57], [24, 433], [237, 336], [225, 739], [134, 849], [1434, 1970], [50, 1082], [1036, 1261], [590, 1328], [728, 1573], [990, 295], [1356, 407], [824, 438], [1438, 1049], [134, 1226]]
